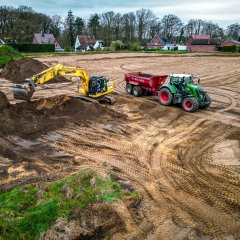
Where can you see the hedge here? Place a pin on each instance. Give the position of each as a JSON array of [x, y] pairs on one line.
[[32, 47], [232, 48]]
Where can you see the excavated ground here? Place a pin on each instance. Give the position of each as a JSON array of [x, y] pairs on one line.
[[185, 165]]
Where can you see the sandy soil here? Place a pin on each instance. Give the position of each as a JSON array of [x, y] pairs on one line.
[[186, 165]]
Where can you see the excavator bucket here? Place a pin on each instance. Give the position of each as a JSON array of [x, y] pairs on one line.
[[23, 92]]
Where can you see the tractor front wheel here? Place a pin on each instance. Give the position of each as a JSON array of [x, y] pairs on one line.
[[207, 102], [190, 104], [165, 97], [129, 88], [137, 91]]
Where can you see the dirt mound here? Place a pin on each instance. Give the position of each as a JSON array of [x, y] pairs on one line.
[[31, 119], [19, 69], [97, 221], [3, 101]]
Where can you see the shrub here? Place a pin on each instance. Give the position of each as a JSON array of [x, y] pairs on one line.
[[136, 46], [232, 48], [116, 45]]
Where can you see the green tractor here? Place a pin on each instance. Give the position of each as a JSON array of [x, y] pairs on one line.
[[182, 90]]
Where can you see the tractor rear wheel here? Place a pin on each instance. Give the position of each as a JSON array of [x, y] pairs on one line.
[[129, 88], [165, 97], [207, 102], [137, 91], [190, 104]]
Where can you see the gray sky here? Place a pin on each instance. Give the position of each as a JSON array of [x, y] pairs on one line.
[[222, 12]]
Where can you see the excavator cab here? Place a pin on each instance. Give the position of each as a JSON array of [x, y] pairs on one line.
[[98, 84]]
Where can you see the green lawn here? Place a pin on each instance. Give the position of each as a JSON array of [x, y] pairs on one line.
[[166, 51], [7, 54], [26, 212]]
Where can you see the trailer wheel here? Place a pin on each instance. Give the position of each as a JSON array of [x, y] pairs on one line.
[[137, 91], [129, 88], [165, 97], [190, 104]]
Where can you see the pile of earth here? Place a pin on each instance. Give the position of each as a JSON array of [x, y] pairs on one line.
[[4, 103], [32, 119], [102, 221], [18, 70]]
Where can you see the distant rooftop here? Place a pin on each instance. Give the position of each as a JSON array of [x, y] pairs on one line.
[[201, 36], [44, 38], [233, 41]]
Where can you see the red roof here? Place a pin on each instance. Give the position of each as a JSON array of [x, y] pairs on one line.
[[203, 36], [86, 40]]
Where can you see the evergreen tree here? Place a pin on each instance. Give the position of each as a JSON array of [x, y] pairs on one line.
[[70, 29], [79, 25], [94, 25]]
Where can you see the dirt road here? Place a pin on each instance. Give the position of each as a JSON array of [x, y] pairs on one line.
[[186, 165]]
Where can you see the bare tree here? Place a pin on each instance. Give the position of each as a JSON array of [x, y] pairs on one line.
[[212, 29], [194, 26], [7, 20], [144, 18], [128, 27], [171, 26], [233, 31], [155, 28], [107, 26], [56, 25], [117, 26]]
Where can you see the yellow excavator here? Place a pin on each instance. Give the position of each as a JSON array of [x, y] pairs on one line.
[[95, 87]]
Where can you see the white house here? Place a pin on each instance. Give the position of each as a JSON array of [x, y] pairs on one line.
[[85, 43], [182, 48], [98, 44], [174, 47]]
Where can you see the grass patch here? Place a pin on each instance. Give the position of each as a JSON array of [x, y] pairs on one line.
[[7, 54], [26, 212], [167, 51]]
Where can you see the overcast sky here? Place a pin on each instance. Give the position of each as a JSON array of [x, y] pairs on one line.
[[222, 12]]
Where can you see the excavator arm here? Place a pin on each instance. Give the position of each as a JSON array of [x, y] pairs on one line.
[[26, 90]]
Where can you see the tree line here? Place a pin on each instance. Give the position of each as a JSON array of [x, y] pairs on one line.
[[20, 23]]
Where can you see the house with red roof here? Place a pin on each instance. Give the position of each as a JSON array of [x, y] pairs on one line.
[[158, 42], [46, 38], [85, 43], [203, 43], [231, 43]]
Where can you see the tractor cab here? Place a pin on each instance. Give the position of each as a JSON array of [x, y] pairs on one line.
[[98, 84], [180, 79]]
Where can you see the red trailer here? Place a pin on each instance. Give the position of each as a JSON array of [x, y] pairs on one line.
[[137, 83]]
